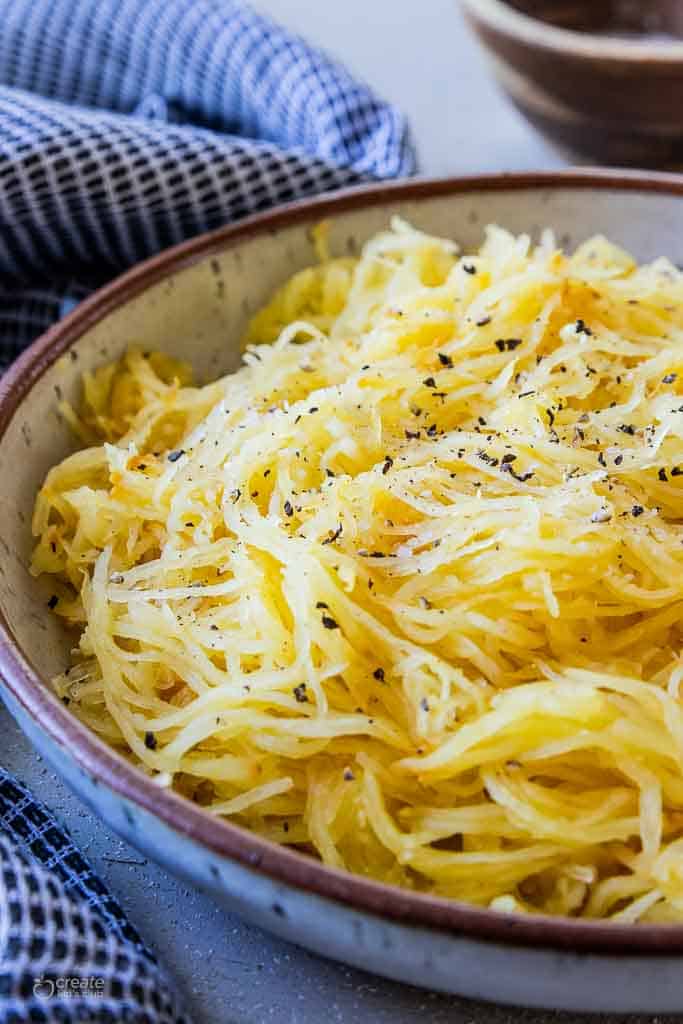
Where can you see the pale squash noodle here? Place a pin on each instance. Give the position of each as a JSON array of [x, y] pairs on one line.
[[406, 590]]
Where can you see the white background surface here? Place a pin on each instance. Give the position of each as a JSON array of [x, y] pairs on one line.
[[420, 56]]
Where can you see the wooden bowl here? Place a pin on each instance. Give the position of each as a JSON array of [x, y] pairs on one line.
[[603, 78], [194, 301]]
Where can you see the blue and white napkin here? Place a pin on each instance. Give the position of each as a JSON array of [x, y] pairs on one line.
[[129, 125]]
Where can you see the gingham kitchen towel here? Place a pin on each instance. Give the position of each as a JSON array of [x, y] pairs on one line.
[[126, 126], [67, 951]]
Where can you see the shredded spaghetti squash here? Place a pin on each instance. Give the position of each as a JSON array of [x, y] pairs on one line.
[[406, 590]]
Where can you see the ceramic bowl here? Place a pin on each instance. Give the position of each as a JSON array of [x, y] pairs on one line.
[[193, 301], [603, 78]]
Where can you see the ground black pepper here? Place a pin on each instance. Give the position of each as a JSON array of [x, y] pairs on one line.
[[334, 536], [300, 693]]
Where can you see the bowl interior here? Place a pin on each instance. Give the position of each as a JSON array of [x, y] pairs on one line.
[[657, 20], [199, 310]]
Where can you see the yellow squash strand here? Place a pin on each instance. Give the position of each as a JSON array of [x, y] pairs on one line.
[[407, 589]]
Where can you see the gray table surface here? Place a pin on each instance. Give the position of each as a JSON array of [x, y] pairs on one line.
[[421, 57]]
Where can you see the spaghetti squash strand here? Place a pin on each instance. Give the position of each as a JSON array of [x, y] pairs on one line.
[[406, 590]]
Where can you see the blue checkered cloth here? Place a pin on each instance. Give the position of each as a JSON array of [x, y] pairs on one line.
[[127, 126], [67, 951]]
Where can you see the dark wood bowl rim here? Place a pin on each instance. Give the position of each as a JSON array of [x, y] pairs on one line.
[[534, 33], [222, 838]]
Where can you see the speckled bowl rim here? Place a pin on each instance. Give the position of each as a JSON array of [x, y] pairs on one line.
[[221, 837], [539, 34]]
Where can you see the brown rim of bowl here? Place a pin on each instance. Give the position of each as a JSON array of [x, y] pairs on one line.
[[501, 17], [220, 836]]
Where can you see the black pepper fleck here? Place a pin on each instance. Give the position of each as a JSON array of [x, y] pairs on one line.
[[300, 693], [335, 535]]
